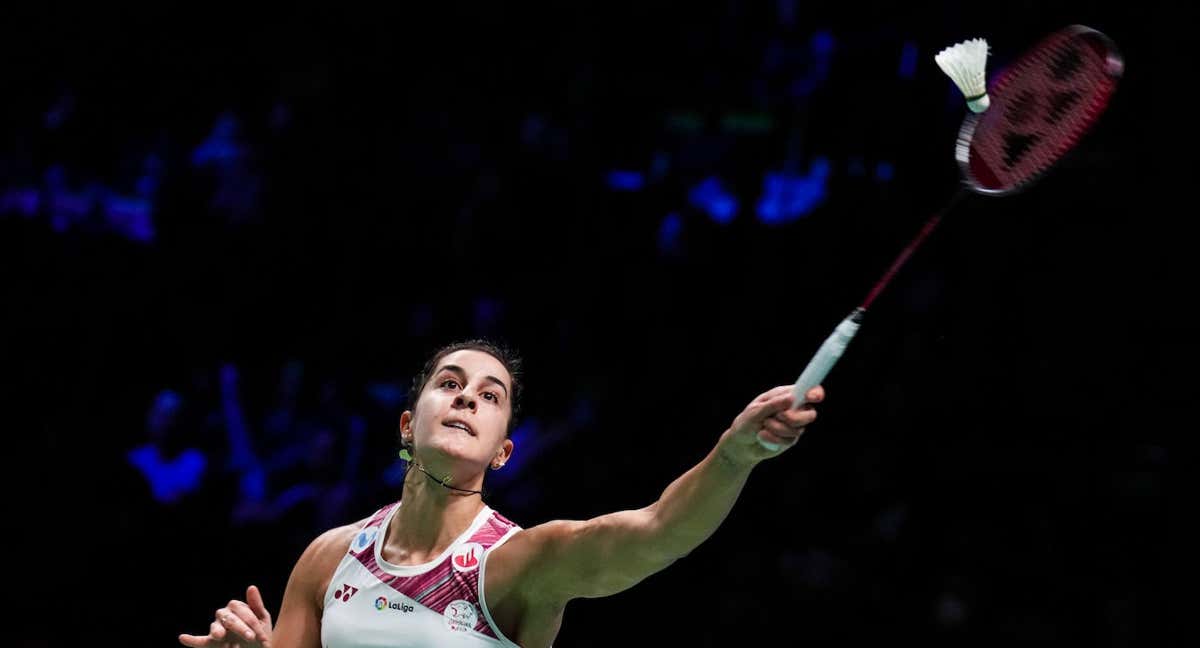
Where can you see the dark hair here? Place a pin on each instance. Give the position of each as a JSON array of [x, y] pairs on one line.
[[506, 356]]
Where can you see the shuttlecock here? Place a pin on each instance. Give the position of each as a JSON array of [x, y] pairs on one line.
[[964, 63]]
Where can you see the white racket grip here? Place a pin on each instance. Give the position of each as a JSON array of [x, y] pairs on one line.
[[827, 356], [822, 362]]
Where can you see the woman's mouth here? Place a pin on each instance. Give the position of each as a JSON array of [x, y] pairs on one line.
[[460, 425]]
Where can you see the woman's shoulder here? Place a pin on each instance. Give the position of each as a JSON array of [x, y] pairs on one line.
[[317, 564], [335, 540], [326, 551]]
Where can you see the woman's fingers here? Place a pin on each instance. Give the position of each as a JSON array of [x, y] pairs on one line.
[[237, 619], [796, 419], [779, 431], [255, 601]]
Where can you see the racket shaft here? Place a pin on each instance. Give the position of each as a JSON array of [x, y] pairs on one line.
[[826, 357]]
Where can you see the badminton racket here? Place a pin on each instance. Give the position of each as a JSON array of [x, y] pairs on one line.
[[1040, 108]]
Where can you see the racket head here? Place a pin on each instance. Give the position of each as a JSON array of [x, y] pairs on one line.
[[1041, 106]]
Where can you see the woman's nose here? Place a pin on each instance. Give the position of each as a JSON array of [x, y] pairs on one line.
[[462, 400]]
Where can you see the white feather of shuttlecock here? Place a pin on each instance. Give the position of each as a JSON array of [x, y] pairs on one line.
[[964, 63]]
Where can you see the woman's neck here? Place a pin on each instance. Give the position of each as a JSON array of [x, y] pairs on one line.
[[430, 517]]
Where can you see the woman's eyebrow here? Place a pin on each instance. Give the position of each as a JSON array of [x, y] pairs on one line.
[[462, 374]]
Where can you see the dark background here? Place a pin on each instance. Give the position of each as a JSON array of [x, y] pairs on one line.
[[198, 198]]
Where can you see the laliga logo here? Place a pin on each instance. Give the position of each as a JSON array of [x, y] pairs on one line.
[[382, 604]]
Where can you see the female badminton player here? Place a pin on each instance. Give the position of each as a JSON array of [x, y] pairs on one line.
[[440, 568]]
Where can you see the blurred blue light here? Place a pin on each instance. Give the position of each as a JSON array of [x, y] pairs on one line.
[[660, 165], [532, 129], [67, 209], [908, 60], [58, 113], [710, 197], [819, 168], [668, 234], [522, 437], [528, 442], [626, 180], [487, 315], [172, 479], [24, 201], [387, 395], [130, 217], [166, 405], [822, 43], [252, 486], [393, 475], [220, 147], [146, 185], [884, 172], [152, 171], [787, 197], [787, 12], [55, 118]]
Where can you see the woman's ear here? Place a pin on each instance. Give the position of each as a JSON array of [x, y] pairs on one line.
[[406, 433], [502, 457]]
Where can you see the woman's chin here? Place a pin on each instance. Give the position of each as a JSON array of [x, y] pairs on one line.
[[450, 454]]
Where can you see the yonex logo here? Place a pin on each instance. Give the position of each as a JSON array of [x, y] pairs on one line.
[[345, 593], [382, 604]]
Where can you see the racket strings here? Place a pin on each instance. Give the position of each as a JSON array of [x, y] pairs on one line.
[[1041, 106]]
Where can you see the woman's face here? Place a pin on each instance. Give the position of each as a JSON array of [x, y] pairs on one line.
[[463, 412]]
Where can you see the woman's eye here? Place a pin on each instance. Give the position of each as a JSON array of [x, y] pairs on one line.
[[492, 396], [450, 382]]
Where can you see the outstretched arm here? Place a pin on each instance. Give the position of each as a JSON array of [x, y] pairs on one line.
[[562, 560]]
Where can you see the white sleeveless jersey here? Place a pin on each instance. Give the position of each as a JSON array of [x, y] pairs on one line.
[[372, 604]]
